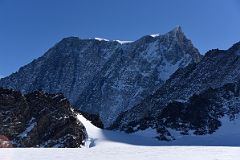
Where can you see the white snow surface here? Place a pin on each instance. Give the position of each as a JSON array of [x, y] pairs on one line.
[[101, 39], [124, 153], [155, 35], [142, 144], [98, 138], [119, 41], [227, 135], [123, 42], [108, 145]]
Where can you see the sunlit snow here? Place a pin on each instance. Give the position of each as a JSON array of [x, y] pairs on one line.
[[155, 35], [119, 41], [123, 42], [101, 39]]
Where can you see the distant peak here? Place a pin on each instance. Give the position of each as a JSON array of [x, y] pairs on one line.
[[176, 30]]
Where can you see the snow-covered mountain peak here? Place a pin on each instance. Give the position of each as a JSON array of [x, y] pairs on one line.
[[177, 32], [102, 76], [174, 32], [177, 29]]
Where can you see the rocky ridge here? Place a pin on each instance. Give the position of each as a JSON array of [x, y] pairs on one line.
[[39, 119]]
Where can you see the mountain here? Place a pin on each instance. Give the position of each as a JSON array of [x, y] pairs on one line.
[[197, 100], [38, 119], [106, 77]]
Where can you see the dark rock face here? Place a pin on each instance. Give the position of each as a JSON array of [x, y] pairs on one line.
[[200, 115], [194, 98], [106, 77], [39, 119]]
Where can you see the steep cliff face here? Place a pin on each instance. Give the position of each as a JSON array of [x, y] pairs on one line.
[[106, 77], [66, 68], [194, 99], [39, 119], [142, 68]]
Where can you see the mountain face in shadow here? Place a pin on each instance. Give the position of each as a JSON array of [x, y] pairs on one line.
[[197, 100]]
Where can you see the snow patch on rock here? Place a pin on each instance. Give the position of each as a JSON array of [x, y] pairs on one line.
[[101, 39], [123, 42], [31, 125], [155, 35]]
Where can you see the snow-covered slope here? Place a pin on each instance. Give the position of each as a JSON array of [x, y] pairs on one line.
[[227, 135], [99, 138]]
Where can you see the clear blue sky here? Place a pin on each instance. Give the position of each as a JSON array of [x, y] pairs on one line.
[[29, 27]]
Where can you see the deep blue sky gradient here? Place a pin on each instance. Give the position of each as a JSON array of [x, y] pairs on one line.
[[28, 28]]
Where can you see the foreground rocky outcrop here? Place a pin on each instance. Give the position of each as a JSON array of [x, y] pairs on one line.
[[39, 119]]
